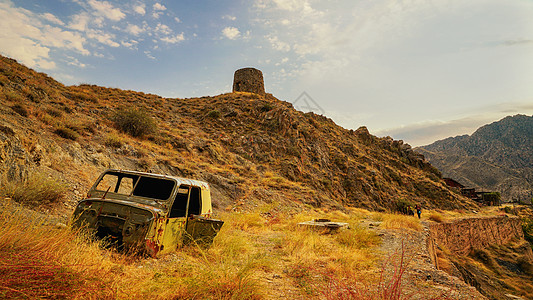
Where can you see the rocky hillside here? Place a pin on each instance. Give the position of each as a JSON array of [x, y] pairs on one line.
[[252, 149], [497, 157]]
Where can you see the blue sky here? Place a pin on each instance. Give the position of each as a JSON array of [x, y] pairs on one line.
[[417, 70]]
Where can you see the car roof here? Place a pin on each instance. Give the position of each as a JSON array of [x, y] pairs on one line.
[[179, 180]]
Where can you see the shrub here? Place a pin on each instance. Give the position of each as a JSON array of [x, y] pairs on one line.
[[266, 107], [527, 226], [37, 189], [403, 206], [436, 217], [13, 96], [134, 122], [67, 133], [113, 140], [214, 114], [20, 109], [54, 112]]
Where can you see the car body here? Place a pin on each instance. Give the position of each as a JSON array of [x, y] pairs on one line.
[[149, 212]]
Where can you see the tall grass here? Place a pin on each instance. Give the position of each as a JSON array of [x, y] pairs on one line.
[[36, 189], [43, 261], [59, 262], [395, 221]]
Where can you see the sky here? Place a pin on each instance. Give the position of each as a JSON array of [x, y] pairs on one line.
[[416, 70]]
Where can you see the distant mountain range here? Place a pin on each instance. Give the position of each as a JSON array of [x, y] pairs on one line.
[[497, 157]]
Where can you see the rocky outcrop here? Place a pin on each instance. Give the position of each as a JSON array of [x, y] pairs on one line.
[[462, 236]]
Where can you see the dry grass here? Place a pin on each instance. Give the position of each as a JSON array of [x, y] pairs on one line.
[[36, 190], [393, 221], [58, 262], [436, 217]]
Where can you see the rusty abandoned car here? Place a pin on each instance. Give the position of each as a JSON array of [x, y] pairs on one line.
[[149, 212]]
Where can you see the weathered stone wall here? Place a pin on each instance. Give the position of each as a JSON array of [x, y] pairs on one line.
[[462, 236], [249, 80]]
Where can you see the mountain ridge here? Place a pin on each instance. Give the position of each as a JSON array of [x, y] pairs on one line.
[[496, 157]]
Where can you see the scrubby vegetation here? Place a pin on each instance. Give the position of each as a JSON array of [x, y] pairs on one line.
[[33, 191], [134, 122], [41, 259]]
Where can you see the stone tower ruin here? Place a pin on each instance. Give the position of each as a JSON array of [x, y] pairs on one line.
[[249, 80]]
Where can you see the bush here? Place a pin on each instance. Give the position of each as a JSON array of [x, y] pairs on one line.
[[436, 217], [266, 107], [527, 226], [37, 189], [215, 114], [20, 109], [134, 122], [403, 206], [54, 112], [114, 141], [67, 133]]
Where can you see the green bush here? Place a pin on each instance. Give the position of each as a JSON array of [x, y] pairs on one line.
[[266, 107], [403, 206], [134, 122], [527, 226], [215, 114]]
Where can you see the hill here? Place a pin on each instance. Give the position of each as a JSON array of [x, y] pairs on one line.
[[496, 157], [252, 149]]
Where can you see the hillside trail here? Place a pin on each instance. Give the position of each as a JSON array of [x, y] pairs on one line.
[[420, 280]]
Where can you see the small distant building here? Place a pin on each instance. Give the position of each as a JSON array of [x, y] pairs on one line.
[[470, 193], [485, 198]]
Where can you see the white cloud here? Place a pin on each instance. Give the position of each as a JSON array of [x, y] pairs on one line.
[[52, 19], [129, 44], [140, 9], [55, 37], [297, 6], [25, 38], [163, 29], [103, 37], [228, 17], [75, 62], [174, 39], [159, 6], [231, 33], [278, 45], [134, 29], [177, 20], [106, 9], [80, 22], [149, 55]]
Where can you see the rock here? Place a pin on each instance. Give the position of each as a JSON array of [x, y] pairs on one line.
[[60, 225]]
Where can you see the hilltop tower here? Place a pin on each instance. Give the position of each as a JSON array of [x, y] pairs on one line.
[[249, 80]]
